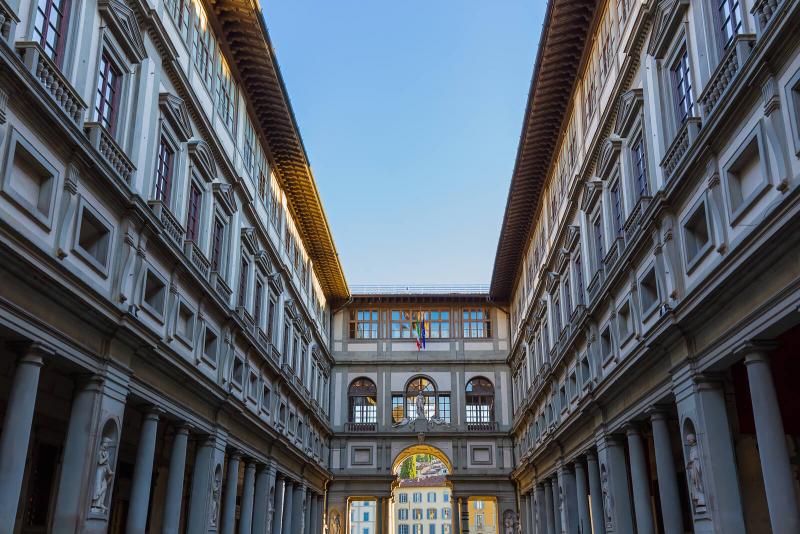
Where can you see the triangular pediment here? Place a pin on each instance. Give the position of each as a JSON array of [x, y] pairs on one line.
[[174, 110], [668, 14], [630, 107], [122, 22]]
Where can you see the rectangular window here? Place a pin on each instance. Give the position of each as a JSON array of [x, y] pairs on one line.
[[275, 213], [682, 84], [640, 167], [217, 238], [259, 294], [437, 324], [578, 279], [180, 12], [248, 151], [107, 96], [271, 318], [164, 171], [444, 408], [243, 268], [363, 324], [193, 212], [599, 250], [616, 210], [556, 317], [226, 94], [401, 324], [730, 20], [50, 26], [204, 47], [397, 409], [476, 323], [567, 298]]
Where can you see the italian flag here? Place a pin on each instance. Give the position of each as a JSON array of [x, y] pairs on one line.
[[419, 334]]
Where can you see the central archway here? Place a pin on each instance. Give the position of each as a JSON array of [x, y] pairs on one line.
[[421, 496]]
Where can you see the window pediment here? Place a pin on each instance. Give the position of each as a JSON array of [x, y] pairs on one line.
[[249, 239], [573, 231], [591, 193], [629, 109], [262, 260], [609, 152], [276, 282], [223, 193], [668, 14], [203, 158], [174, 110], [123, 24]]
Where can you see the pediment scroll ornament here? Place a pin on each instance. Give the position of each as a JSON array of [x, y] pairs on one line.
[[173, 108], [123, 24]]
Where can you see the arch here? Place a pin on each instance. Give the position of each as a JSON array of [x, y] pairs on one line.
[[362, 401], [479, 401], [421, 449], [415, 378]]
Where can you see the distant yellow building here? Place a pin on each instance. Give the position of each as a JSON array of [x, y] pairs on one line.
[[482, 516], [422, 507]]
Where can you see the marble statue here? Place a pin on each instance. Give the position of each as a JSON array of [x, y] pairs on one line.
[[608, 502], [509, 523], [694, 472], [420, 405], [103, 477], [215, 494], [336, 526]]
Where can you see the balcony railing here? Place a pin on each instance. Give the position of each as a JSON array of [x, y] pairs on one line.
[[51, 79], [680, 146], [360, 427], [487, 426], [222, 288], [726, 71], [764, 13], [169, 222], [245, 316], [108, 148], [594, 284], [8, 22], [196, 257], [635, 217]]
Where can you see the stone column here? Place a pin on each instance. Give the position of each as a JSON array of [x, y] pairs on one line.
[[463, 512], [667, 478], [582, 498], [228, 520], [142, 474], [640, 482], [569, 499], [549, 507], [539, 508], [617, 509], [775, 464], [558, 494], [525, 512], [597, 517], [265, 484], [248, 491], [177, 469], [297, 508], [204, 503], [532, 511], [288, 498], [77, 458], [16, 432], [277, 505], [307, 511], [378, 516], [314, 526]]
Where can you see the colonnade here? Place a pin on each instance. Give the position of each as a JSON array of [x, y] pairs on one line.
[[272, 501], [610, 486]]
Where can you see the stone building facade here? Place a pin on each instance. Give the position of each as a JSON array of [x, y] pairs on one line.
[[180, 351], [649, 256]]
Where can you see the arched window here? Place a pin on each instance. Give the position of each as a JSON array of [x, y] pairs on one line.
[[428, 390], [480, 402], [362, 396]]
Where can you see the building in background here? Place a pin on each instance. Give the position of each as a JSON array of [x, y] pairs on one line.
[[422, 506]]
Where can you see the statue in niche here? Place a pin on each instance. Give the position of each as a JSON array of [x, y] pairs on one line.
[[694, 472], [336, 525], [216, 489], [103, 476], [608, 502], [509, 522], [420, 401]]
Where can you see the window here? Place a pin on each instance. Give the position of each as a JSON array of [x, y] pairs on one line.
[[237, 374], [437, 324], [155, 293], [271, 318], [244, 266], [50, 26], [444, 408], [180, 12], [578, 279], [94, 238], [430, 513], [480, 401], [217, 238], [397, 409], [363, 324], [403, 500], [432, 497], [476, 323], [402, 529], [248, 151], [640, 167], [599, 248], [204, 47], [648, 291], [225, 94], [401, 324], [567, 298], [259, 294], [362, 398], [164, 171], [417, 498], [193, 212], [606, 347], [696, 235], [682, 84], [402, 513], [107, 96], [210, 345], [275, 213], [184, 327], [556, 316], [616, 210], [624, 322], [730, 20]]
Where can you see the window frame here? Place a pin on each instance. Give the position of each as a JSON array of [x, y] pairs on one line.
[[40, 36], [113, 66]]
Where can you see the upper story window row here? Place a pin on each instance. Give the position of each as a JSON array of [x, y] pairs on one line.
[[442, 323]]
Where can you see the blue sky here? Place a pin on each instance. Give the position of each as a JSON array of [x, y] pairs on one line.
[[411, 112]]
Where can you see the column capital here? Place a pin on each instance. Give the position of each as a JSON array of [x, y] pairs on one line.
[[755, 351], [183, 427], [632, 428], [32, 352], [591, 454], [658, 413], [152, 413]]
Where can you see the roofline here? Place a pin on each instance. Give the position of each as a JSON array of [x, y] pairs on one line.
[[510, 248], [282, 134]]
